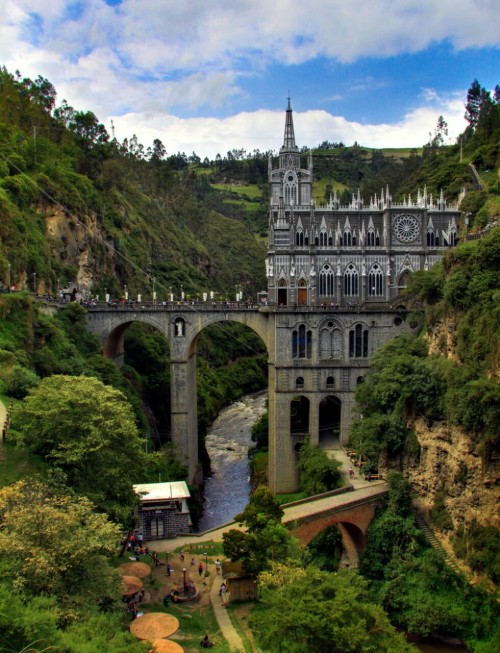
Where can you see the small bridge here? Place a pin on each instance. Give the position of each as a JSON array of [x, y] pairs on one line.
[[352, 510]]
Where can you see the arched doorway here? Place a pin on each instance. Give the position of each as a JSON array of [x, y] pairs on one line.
[[299, 420], [282, 293], [404, 282], [302, 293], [330, 410]]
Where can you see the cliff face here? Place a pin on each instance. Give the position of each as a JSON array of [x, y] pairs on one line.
[[450, 460], [450, 463], [74, 241]]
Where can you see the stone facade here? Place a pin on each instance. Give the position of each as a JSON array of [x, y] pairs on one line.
[[336, 278], [337, 255]]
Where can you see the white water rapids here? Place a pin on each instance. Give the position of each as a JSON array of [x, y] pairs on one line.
[[227, 443]]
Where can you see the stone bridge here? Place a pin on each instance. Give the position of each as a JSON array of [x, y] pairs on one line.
[[317, 355], [352, 511]]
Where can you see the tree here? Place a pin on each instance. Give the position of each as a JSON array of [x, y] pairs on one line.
[[266, 541], [317, 472], [262, 508], [87, 430], [56, 545], [473, 103], [322, 612]]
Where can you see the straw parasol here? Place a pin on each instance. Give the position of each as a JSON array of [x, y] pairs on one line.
[[130, 585], [137, 569], [154, 625], [166, 646]]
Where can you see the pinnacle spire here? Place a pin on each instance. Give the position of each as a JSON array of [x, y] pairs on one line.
[[289, 140]]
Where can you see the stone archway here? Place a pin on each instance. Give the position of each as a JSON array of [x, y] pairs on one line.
[[404, 282], [302, 293], [282, 293], [330, 419], [181, 327]]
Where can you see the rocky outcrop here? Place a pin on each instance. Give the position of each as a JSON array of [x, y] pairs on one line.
[[78, 242], [451, 463]]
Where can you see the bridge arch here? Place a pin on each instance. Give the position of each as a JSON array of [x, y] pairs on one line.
[[353, 524], [182, 327]]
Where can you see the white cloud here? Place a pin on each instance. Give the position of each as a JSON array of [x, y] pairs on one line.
[[141, 61], [263, 130]]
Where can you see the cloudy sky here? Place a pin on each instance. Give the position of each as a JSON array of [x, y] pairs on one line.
[[212, 75]]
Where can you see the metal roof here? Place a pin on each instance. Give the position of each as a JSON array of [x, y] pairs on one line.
[[162, 491]]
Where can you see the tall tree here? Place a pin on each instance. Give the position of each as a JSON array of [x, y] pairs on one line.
[[56, 545], [87, 430]]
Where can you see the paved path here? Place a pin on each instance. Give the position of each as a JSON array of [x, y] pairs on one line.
[[223, 619]]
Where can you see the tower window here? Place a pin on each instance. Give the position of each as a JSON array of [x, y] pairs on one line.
[[358, 342], [375, 282], [351, 281], [326, 282], [301, 342]]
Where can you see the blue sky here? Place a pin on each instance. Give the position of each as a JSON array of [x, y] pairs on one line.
[[212, 75]]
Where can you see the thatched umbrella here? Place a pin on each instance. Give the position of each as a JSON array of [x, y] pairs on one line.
[[154, 625], [130, 585], [137, 569], [166, 646]]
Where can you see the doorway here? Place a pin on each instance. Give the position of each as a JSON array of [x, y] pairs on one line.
[[330, 411]]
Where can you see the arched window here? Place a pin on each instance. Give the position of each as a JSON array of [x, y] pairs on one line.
[[326, 282], [375, 282], [358, 342], [370, 238], [347, 238], [299, 382], [290, 188], [351, 281], [306, 241], [453, 238], [323, 238], [330, 382], [299, 238], [431, 238], [301, 342]]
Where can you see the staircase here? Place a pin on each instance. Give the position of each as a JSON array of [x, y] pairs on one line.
[[477, 177], [433, 541]]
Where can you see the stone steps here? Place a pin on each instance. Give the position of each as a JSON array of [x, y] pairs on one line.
[[433, 540]]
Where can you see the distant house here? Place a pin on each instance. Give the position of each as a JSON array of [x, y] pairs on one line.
[[240, 585], [163, 511]]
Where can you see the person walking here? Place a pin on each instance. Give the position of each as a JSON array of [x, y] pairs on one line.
[[200, 569], [217, 567], [224, 595]]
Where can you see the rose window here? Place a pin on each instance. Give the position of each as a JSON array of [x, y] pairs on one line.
[[406, 228]]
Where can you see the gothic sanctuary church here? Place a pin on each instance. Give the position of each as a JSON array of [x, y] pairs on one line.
[[336, 282], [362, 252]]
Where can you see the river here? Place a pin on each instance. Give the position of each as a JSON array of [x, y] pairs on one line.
[[228, 489], [227, 443]]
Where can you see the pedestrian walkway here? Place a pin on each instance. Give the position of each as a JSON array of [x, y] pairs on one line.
[[223, 619]]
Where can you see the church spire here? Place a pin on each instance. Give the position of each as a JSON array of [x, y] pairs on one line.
[[289, 140]]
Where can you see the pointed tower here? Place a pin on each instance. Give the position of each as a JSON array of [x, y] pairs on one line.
[[289, 140], [290, 181]]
